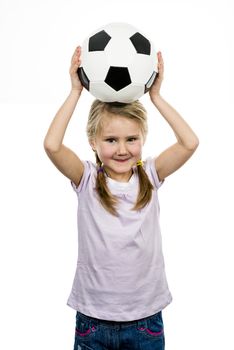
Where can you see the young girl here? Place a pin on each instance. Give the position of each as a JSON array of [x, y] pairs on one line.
[[120, 286]]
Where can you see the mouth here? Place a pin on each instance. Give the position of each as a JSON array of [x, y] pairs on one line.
[[122, 160]]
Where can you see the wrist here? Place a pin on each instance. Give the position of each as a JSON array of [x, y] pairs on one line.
[[156, 99], [75, 92]]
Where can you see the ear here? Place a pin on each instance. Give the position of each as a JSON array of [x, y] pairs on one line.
[[92, 144]]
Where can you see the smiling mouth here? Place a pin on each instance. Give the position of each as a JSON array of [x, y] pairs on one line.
[[121, 160]]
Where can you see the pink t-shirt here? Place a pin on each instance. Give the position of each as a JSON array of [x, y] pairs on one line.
[[120, 273]]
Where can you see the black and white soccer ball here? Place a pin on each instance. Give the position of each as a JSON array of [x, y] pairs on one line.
[[118, 63]]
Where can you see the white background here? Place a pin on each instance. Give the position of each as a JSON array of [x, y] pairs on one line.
[[38, 242]]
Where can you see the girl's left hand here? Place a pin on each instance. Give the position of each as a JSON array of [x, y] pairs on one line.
[[75, 64], [155, 88]]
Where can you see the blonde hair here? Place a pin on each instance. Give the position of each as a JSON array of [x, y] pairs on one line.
[[136, 111]]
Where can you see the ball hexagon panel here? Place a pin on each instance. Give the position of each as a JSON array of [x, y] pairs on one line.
[[128, 94], [141, 76], [94, 64], [122, 30], [119, 52]]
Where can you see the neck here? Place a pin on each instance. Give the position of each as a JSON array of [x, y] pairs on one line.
[[119, 177]]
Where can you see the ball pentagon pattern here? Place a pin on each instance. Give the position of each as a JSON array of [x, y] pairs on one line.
[[118, 63]]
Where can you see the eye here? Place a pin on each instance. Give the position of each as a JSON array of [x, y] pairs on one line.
[[110, 140], [132, 139]]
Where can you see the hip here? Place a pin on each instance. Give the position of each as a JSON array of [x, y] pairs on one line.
[[97, 334]]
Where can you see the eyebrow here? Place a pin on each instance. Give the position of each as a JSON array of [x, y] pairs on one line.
[[116, 137]]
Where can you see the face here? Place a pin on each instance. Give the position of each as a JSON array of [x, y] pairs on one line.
[[119, 146]]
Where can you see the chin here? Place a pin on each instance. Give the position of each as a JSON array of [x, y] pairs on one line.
[[120, 168]]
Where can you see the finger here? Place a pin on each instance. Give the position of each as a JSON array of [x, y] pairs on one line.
[[160, 63], [159, 54], [76, 55], [160, 58], [74, 68]]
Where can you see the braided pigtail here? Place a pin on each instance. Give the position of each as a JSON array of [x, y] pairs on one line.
[[145, 188], [133, 111], [107, 200]]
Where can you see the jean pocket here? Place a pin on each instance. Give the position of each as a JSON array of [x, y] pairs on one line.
[[153, 327], [84, 328]]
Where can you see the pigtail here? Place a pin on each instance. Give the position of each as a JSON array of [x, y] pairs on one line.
[[107, 200], [145, 188], [134, 111]]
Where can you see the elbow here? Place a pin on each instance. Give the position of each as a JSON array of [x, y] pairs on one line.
[[48, 147], [193, 145], [190, 144], [196, 143]]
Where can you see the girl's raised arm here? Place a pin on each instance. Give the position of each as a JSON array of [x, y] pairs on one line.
[[62, 157], [176, 155]]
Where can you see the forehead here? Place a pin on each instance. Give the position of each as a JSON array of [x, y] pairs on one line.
[[112, 124]]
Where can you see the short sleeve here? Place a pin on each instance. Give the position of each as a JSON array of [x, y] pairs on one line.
[[151, 171], [85, 177]]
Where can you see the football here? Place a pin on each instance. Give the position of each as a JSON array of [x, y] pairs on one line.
[[118, 63]]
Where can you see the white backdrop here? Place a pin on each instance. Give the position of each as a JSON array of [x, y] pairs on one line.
[[38, 237]]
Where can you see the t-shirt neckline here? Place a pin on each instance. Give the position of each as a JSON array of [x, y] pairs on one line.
[[122, 185]]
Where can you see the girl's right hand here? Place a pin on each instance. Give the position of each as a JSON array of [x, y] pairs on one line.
[[75, 63]]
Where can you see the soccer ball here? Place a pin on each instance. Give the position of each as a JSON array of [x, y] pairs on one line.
[[118, 63]]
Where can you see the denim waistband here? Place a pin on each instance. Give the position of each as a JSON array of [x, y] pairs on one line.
[[141, 322]]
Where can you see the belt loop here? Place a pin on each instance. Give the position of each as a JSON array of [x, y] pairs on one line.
[[141, 323]]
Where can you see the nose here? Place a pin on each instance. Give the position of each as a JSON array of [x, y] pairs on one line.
[[122, 150]]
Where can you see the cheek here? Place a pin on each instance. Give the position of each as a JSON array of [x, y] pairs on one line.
[[105, 151], [137, 149]]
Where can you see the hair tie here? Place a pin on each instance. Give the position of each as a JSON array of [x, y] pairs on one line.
[[100, 170], [139, 163]]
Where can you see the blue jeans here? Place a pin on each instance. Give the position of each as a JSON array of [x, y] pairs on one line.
[[143, 334]]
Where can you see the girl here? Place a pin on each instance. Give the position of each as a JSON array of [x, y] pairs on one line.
[[120, 286]]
